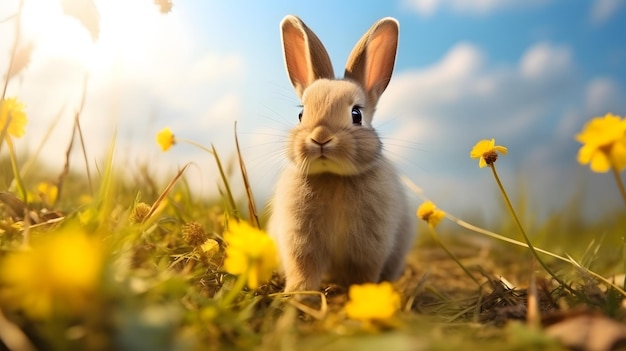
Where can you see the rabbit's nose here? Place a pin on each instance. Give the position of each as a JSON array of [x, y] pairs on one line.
[[321, 143], [321, 136]]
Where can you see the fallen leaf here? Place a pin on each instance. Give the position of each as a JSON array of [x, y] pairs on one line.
[[588, 331]]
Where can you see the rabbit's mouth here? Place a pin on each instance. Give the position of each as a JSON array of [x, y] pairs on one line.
[[324, 164]]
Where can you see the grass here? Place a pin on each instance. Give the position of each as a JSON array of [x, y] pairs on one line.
[[158, 290]]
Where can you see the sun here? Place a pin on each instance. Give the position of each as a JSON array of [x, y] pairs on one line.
[[94, 33]]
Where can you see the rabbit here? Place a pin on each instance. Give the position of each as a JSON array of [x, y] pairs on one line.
[[339, 211]]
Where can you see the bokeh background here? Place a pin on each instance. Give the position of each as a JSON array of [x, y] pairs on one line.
[[528, 73]]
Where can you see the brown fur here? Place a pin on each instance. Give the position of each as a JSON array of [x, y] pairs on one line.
[[339, 210]]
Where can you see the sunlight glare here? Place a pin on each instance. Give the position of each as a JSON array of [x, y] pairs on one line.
[[128, 30]]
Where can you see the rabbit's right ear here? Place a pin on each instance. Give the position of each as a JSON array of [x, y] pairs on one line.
[[372, 59], [305, 55]]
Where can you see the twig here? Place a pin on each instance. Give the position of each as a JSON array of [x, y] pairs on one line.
[[13, 337], [18, 35], [10, 17], [165, 192], [80, 131], [66, 168], [533, 316]]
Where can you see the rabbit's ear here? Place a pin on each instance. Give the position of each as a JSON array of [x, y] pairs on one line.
[[371, 61], [305, 55]]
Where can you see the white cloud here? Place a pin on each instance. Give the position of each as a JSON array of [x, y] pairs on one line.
[[534, 107], [212, 66], [445, 81], [604, 95], [476, 7], [544, 59], [423, 7], [603, 10], [599, 96], [462, 92]]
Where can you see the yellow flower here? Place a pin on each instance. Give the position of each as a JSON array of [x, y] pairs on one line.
[[604, 143], [487, 151], [430, 213], [165, 138], [12, 117], [249, 251], [372, 302], [88, 215], [210, 246], [48, 192], [60, 273]]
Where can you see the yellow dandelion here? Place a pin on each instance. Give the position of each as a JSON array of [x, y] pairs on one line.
[[165, 138], [59, 274], [87, 216], [12, 117], [210, 247], [48, 192], [249, 251], [371, 301], [604, 143], [487, 151], [430, 213]]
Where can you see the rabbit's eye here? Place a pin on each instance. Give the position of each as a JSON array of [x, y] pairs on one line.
[[357, 116], [300, 115]]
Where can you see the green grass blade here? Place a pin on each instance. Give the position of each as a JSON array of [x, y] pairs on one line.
[[254, 218], [229, 193], [165, 192]]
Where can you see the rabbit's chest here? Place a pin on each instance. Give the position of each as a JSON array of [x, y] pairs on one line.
[[337, 209]]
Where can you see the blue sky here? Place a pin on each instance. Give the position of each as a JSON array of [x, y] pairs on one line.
[[529, 73]]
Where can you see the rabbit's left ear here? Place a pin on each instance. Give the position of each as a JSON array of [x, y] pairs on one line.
[[371, 61], [305, 56]]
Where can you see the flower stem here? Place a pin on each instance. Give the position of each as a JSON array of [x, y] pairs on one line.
[[521, 230], [493, 235], [193, 143], [624, 260], [433, 233], [620, 184], [16, 170]]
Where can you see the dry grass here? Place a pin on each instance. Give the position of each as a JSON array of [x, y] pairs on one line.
[[161, 292]]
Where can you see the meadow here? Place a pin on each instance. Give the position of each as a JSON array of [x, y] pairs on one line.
[[97, 260]]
